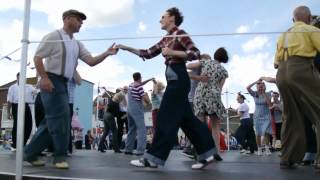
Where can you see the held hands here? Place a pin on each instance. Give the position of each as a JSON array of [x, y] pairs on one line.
[[154, 81], [120, 46], [112, 50]]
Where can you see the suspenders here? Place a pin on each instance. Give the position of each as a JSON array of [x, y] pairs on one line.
[[63, 64]]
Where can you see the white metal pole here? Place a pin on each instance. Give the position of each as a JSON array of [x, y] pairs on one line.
[[97, 123], [98, 98], [22, 82], [228, 126]]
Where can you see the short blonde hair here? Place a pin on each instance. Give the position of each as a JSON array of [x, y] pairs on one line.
[[118, 97], [205, 56], [158, 87]]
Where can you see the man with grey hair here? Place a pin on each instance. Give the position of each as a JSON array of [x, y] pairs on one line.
[[299, 83]]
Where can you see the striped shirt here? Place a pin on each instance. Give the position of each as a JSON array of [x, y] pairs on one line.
[[175, 43], [136, 91]]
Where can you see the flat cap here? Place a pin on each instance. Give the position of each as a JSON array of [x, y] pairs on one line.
[[73, 12]]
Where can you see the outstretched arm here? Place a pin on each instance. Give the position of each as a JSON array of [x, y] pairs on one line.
[[92, 61], [146, 81], [128, 48], [143, 53]]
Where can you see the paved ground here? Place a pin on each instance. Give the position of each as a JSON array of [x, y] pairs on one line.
[[95, 165]]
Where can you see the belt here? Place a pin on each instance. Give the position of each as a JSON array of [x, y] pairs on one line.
[[57, 76]]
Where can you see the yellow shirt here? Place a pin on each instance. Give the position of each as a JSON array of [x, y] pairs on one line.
[[306, 42]]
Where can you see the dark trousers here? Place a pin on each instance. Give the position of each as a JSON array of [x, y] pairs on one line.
[[78, 144], [245, 134], [175, 112], [70, 134], [278, 131], [121, 123], [27, 125], [109, 124], [311, 138], [38, 110]]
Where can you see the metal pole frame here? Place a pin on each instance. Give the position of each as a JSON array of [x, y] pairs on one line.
[[228, 124], [22, 82]]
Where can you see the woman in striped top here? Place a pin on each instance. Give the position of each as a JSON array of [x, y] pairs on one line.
[[135, 111]]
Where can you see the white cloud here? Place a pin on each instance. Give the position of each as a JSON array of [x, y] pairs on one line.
[[244, 70], [142, 27], [247, 28], [108, 73], [243, 29], [257, 43], [99, 13], [11, 4], [10, 41]]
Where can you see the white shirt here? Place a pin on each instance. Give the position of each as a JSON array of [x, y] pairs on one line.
[[72, 53], [244, 108], [124, 103], [13, 94]]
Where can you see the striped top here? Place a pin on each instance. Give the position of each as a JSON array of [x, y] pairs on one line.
[[136, 91]]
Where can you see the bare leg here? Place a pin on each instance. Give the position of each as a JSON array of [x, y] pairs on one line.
[[215, 130]]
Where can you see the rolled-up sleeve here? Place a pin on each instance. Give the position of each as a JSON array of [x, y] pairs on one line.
[[279, 51], [153, 51], [192, 51], [45, 48]]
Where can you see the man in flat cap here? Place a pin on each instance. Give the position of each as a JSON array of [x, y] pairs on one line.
[[61, 59], [74, 13]]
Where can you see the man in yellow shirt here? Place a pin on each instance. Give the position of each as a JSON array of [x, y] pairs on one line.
[[299, 82]]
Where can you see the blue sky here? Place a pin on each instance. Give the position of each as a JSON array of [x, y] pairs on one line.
[[251, 55]]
